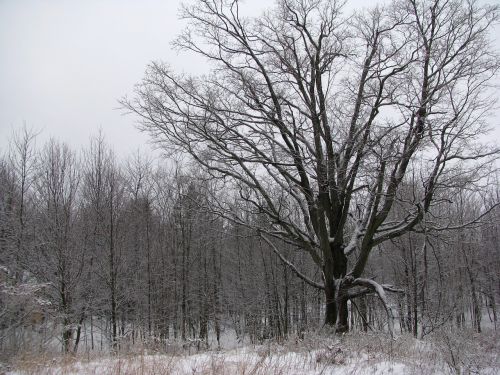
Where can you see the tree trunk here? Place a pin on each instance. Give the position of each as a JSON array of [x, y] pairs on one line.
[[286, 317], [331, 305], [363, 314], [78, 332], [336, 308], [67, 334]]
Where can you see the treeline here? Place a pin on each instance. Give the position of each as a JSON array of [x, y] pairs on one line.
[[99, 253]]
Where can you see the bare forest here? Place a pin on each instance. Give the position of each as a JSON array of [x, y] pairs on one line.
[[330, 185]]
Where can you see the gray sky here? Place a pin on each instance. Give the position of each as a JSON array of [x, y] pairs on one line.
[[64, 64]]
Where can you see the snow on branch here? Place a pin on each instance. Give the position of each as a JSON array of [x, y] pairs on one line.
[[379, 289], [355, 238]]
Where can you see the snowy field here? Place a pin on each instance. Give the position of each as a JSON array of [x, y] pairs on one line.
[[361, 354]]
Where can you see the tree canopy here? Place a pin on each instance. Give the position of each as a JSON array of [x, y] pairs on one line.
[[342, 130]]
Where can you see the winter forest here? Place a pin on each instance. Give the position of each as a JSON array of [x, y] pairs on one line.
[[326, 201]]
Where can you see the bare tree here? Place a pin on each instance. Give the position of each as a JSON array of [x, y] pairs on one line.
[[22, 159], [103, 194], [58, 259], [312, 115]]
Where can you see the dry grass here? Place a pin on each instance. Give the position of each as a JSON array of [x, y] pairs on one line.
[[445, 353], [469, 352]]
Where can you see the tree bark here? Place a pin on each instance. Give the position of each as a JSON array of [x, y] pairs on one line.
[[337, 313]]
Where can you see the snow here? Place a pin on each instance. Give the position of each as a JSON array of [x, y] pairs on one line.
[[359, 354], [237, 361], [233, 362]]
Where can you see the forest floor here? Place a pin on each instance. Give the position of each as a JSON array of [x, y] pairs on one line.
[[444, 353]]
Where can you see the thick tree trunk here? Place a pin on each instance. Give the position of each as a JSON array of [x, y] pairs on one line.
[[67, 335], [331, 305], [336, 308], [343, 320]]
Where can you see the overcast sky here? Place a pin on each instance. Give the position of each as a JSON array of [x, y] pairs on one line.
[[64, 64]]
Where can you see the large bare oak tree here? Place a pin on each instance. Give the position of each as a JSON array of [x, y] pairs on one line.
[[342, 131]]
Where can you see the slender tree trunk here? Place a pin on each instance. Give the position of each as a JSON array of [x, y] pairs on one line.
[[286, 320], [65, 307], [476, 308], [216, 284], [303, 310], [112, 272], [78, 332], [362, 313]]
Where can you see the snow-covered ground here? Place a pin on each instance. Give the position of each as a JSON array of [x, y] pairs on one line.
[[365, 354], [232, 362]]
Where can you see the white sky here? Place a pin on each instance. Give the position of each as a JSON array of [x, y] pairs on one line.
[[65, 63]]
